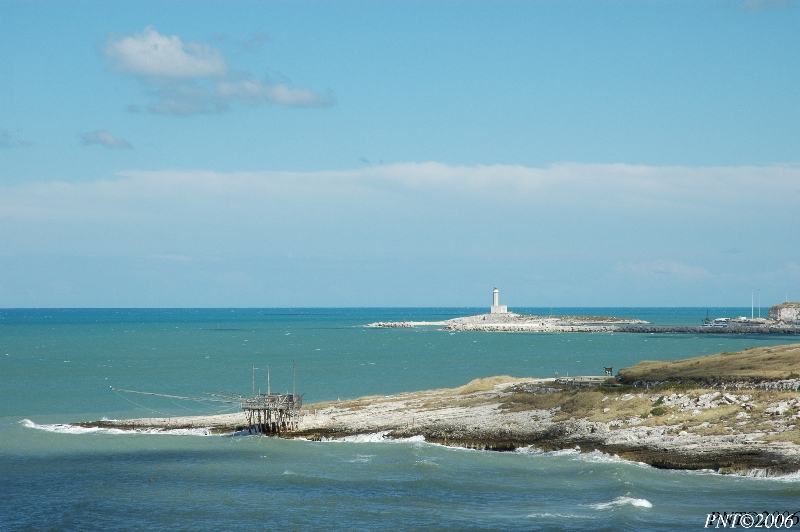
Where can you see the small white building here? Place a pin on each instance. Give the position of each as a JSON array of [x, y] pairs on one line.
[[497, 308]]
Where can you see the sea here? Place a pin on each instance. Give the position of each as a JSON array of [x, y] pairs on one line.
[[58, 366]]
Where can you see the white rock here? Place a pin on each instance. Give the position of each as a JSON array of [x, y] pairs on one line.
[[730, 398]]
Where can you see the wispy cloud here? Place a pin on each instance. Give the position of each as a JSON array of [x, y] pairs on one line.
[[7, 140], [194, 78], [663, 267], [765, 5], [642, 234], [254, 42], [104, 138]]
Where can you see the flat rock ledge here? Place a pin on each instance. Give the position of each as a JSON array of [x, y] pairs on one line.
[[474, 419]]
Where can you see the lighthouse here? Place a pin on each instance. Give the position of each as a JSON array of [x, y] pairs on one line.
[[497, 308]]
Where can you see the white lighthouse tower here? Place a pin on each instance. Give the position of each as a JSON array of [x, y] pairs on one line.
[[497, 308]]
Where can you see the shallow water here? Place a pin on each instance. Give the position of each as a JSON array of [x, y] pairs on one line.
[[57, 366]]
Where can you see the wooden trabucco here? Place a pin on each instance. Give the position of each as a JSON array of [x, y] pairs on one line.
[[272, 413]]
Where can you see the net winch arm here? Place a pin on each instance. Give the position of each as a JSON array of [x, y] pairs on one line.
[[227, 401]]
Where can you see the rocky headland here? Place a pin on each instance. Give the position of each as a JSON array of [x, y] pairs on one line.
[[693, 414]]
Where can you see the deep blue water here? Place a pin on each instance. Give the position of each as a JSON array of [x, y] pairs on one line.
[[56, 366]]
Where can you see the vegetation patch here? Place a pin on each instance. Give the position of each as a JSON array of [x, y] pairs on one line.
[[750, 365]]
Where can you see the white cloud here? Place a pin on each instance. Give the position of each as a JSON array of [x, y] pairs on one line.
[[150, 54], [194, 78], [104, 138]]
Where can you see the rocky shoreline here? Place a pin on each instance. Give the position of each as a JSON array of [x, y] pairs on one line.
[[745, 433], [511, 322]]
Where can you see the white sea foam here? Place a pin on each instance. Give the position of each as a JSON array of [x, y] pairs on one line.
[[753, 474], [547, 515], [599, 457], [530, 449], [622, 501], [563, 452], [61, 428], [361, 458], [365, 438], [377, 437], [761, 474]]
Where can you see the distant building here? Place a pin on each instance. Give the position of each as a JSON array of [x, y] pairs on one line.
[[497, 308], [788, 312]]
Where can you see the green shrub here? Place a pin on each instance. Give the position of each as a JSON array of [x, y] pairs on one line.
[[658, 411]]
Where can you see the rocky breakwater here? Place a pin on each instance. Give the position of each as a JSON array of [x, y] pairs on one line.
[[765, 328], [512, 322]]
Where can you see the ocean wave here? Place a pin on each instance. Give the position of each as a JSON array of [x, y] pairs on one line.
[[599, 457], [622, 501], [62, 428]]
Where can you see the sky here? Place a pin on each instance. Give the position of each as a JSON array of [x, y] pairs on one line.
[[399, 153]]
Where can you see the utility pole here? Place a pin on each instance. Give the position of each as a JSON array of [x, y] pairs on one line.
[[254, 379], [759, 303], [294, 380], [268, 391]]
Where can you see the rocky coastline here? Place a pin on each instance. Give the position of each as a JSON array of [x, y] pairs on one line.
[[747, 431]]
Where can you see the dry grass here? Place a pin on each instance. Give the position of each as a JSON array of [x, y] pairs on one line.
[[523, 401], [482, 385], [791, 435], [764, 363]]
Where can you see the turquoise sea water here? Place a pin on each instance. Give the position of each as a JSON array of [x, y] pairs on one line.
[[56, 366]]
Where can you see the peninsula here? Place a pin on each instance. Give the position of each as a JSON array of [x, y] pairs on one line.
[[730, 413]]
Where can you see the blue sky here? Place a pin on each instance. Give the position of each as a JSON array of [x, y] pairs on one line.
[[399, 153]]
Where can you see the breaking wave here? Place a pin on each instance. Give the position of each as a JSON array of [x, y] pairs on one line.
[[622, 501], [377, 437], [62, 428]]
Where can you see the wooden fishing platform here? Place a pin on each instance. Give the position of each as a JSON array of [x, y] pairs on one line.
[[265, 413], [272, 413]]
